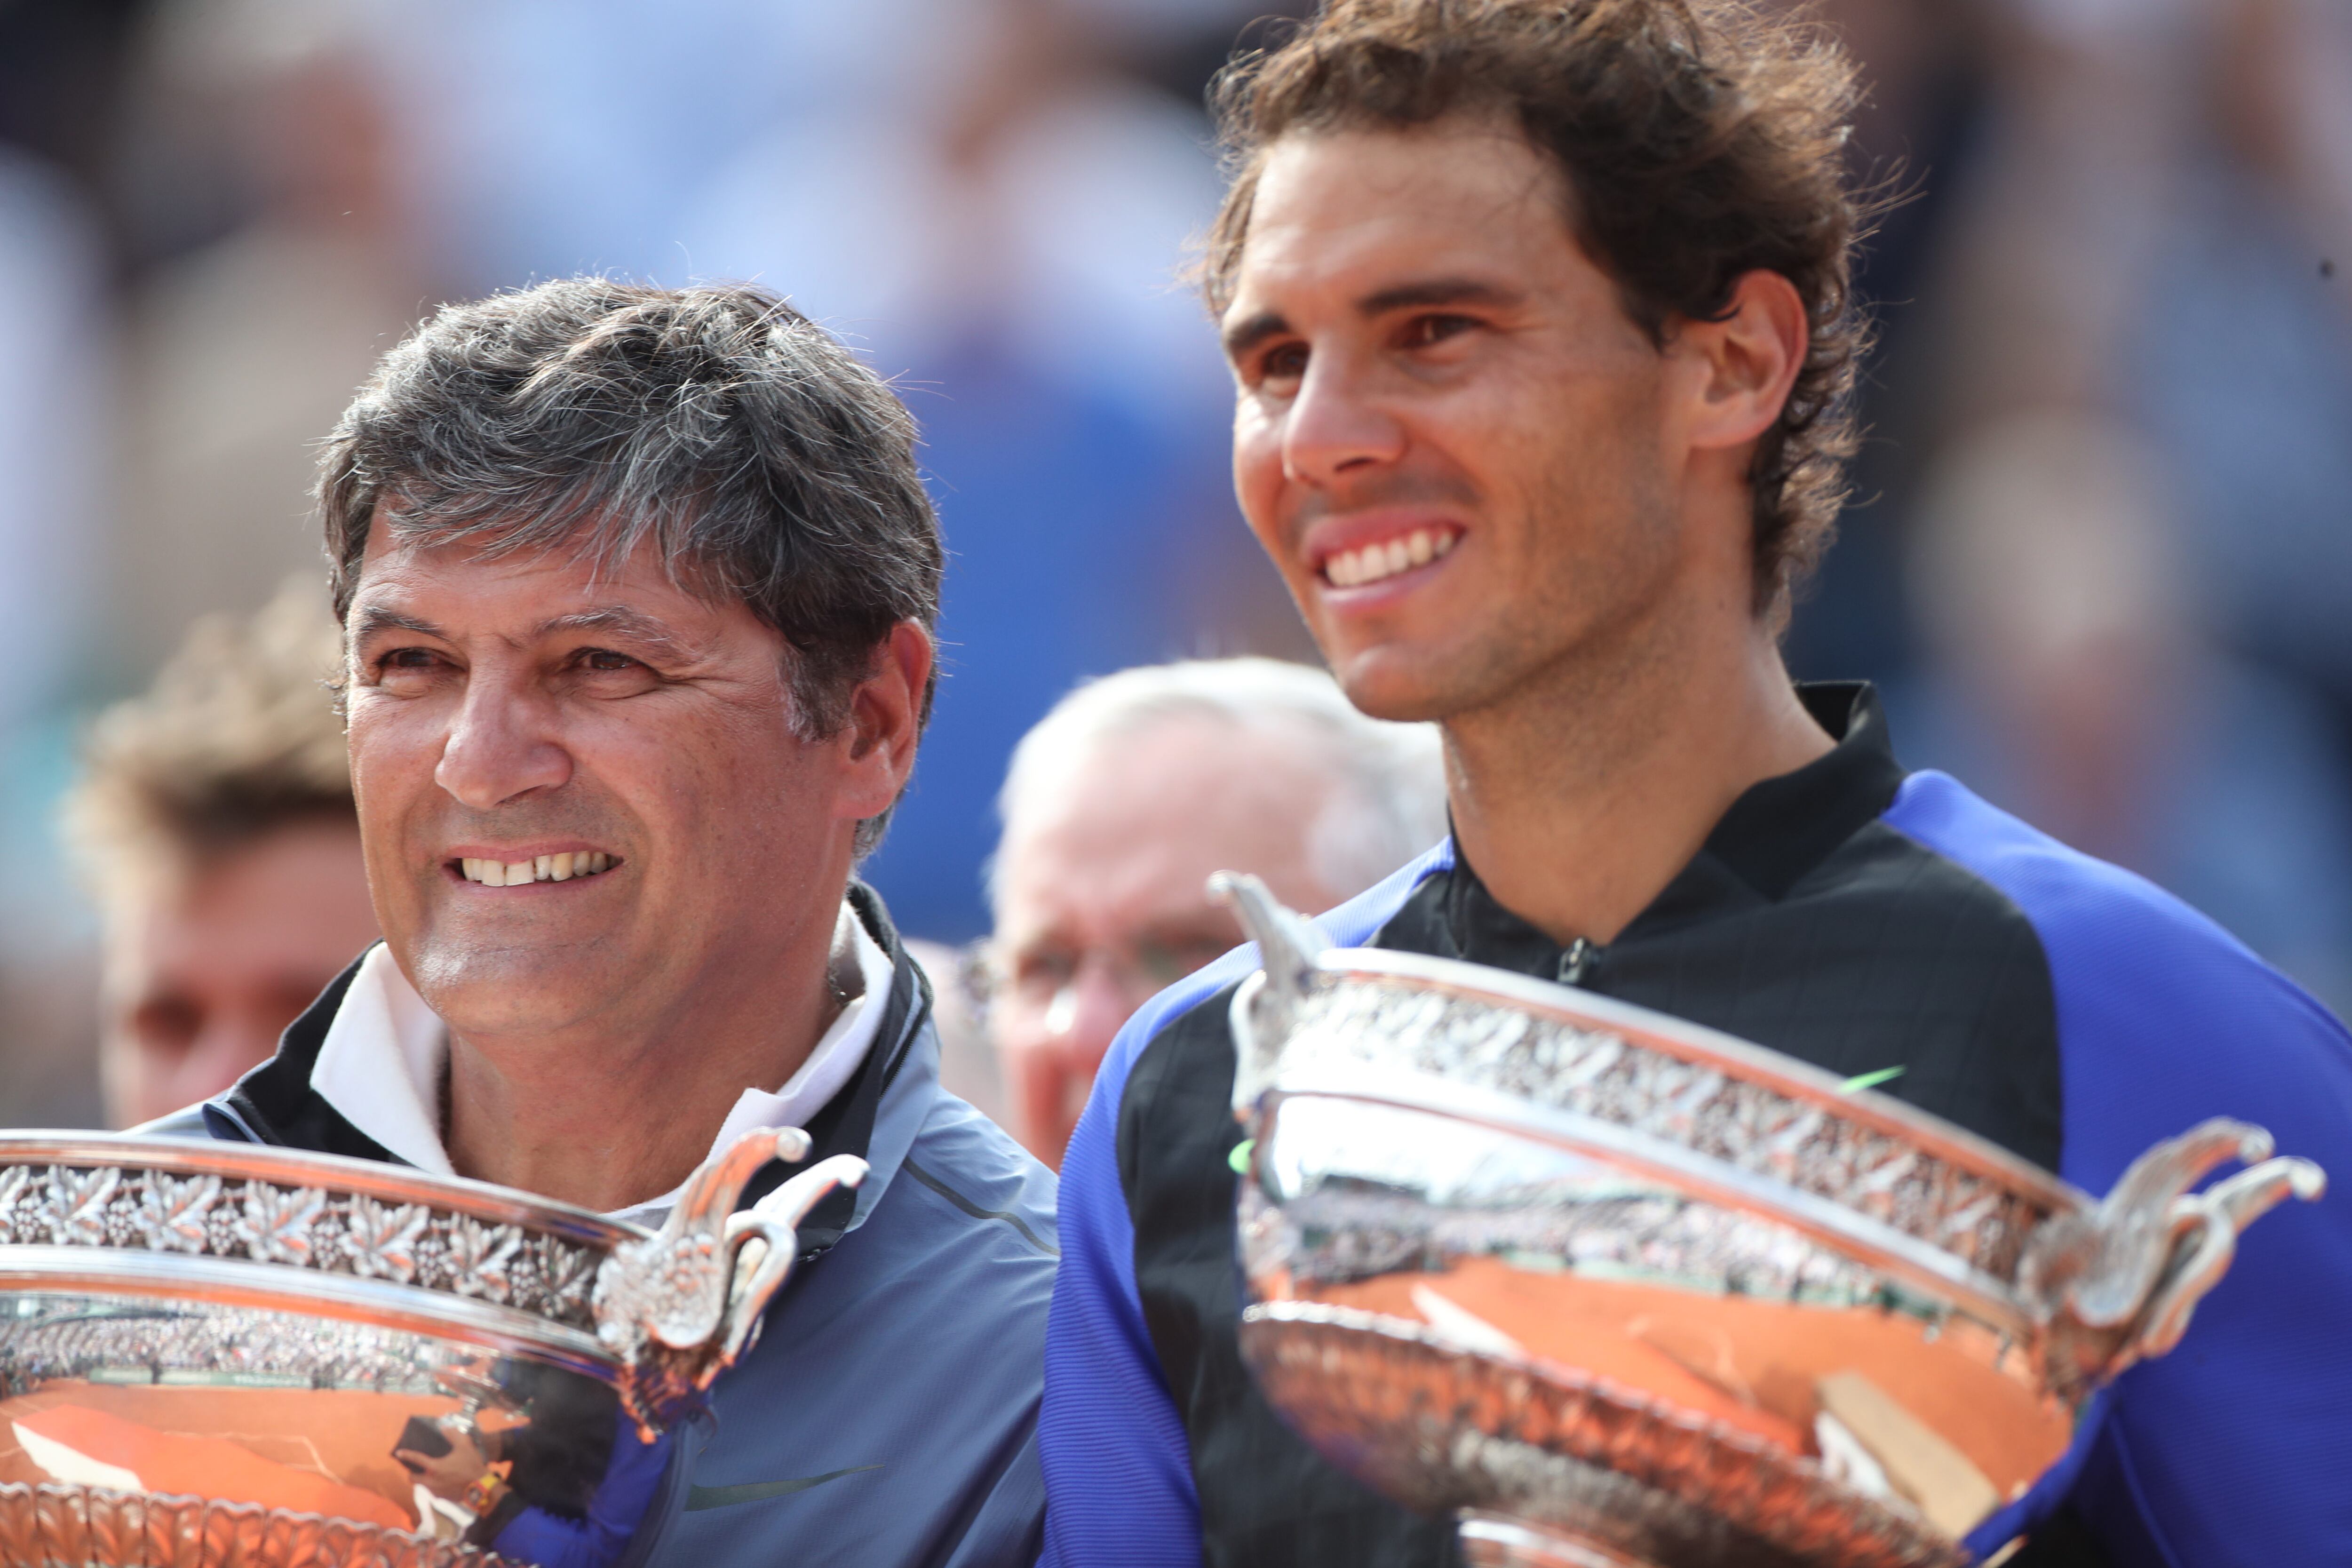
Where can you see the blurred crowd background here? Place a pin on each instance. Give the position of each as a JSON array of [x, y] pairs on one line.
[[2100, 557]]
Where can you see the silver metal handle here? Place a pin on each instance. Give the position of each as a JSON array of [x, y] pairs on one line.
[[680, 1306], [2118, 1284]]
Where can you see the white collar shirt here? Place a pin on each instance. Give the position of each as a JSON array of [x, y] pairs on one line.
[[381, 1065]]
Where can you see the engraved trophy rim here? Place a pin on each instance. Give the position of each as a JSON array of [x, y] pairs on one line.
[[401, 1305], [346, 1174], [1698, 1044]]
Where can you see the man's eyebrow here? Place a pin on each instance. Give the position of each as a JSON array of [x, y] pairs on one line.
[[620, 621], [375, 619], [1437, 291], [1246, 335]]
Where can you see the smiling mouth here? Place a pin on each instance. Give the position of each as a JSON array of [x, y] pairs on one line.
[[558, 867], [1387, 558]]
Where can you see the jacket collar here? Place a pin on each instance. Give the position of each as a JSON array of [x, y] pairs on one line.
[[1776, 831], [275, 1103]]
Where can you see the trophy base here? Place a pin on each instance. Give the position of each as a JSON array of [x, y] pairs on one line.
[[1494, 1540]]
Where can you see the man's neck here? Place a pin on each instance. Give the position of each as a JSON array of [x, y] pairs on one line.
[[1581, 796], [622, 1117]]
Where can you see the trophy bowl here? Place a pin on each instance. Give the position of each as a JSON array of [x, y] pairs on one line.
[[1620, 1292], [210, 1353]]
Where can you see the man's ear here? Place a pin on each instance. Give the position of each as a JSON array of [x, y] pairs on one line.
[[1744, 363], [885, 721]]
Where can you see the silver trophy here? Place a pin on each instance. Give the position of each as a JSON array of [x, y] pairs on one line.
[[210, 1353], [1619, 1292]]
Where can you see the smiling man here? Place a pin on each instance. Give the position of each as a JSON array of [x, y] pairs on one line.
[[1538, 319], [637, 588]]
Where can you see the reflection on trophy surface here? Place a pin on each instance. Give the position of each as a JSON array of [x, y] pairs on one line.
[[237, 1355], [1620, 1290]]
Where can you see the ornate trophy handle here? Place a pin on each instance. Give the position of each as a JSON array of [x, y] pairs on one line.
[[675, 1307], [1287, 945], [2118, 1284]]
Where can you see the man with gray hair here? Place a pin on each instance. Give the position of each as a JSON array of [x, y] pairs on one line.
[[637, 588], [1123, 800]]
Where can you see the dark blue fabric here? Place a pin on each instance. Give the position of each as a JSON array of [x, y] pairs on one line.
[[2237, 1447], [632, 1477], [1119, 1472]]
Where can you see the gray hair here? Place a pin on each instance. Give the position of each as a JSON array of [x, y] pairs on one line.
[[1390, 805], [756, 455]]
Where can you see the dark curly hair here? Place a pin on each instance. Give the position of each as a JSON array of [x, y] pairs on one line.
[[1701, 140]]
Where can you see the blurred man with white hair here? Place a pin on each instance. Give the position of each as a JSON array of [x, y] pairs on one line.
[[1123, 800]]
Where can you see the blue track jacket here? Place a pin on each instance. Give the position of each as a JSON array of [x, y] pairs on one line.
[[2234, 1450]]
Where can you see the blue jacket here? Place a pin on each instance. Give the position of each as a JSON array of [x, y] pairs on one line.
[[2235, 1449], [886, 1417]]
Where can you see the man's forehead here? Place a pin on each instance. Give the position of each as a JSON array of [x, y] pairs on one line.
[[1349, 209], [405, 581]]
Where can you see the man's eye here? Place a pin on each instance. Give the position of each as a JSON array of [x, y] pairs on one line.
[[606, 659], [1041, 973], [408, 659], [1287, 362], [1425, 330]]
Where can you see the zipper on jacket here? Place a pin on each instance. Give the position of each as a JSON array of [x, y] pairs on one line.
[[1577, 963]]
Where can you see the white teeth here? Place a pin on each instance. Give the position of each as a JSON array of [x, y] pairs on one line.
[[561, 867], [1352, 568]]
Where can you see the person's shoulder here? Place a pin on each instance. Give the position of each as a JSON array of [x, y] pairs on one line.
[[981, 1186], [2093, 916], [2164, 1018]]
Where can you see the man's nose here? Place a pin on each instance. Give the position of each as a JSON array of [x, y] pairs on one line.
[[501, 744], [1337, 424]]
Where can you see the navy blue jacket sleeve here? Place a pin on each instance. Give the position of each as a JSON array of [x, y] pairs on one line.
[[2237, 1447], [1119, 1473]]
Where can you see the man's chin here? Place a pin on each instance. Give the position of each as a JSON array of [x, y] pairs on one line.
[[1403, 685], [519, 990]]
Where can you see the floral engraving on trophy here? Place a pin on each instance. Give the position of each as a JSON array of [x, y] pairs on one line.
[[480, 1257], [72, 1208], [274, 1223], [16, 1183], [567, 1281], [1360, 1021], [173, 1209], [381, 1238], [300, 1227], [54, 1523]]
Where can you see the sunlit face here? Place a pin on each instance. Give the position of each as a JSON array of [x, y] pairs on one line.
[[581, 795], [1103, 894], [1449, 436], [206, 966]]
